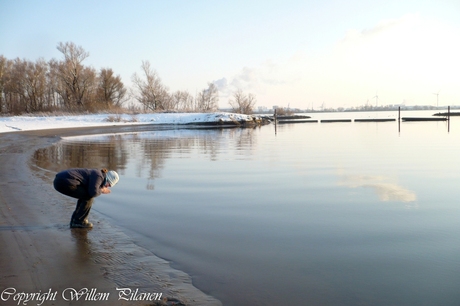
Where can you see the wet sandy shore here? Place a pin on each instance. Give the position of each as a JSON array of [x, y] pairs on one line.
[[40, 254]]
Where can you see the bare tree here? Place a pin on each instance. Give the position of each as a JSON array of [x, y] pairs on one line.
[[110, 89], [77, 79], [241, 103], [56, 88], [250, 104], [149, 91], [3, 74], [35, 83], [208, 99], [12, 86], [183, 100], [238, 101], [187, 101], [27, 86]]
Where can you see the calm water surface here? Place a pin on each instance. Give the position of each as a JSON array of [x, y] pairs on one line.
[[316, 214]]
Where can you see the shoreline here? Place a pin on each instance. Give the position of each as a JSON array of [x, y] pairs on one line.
[[40, 253]]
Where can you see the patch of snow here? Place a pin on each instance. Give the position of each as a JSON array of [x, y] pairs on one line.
[[27, 123]]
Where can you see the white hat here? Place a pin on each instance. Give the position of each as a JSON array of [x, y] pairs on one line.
[[112, 178]]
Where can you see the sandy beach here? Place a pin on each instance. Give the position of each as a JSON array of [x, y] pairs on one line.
[[42, 259]]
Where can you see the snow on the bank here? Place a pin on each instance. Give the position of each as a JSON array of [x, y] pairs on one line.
[[27, 123]]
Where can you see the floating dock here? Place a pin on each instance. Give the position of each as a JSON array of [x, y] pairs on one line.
[[448, 114], [288, 119], [335, 120], [409, 119], [297, 121], [376, 120], [292, 117], [423, 119]]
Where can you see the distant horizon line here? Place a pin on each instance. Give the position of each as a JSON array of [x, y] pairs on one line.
[[394, 107]]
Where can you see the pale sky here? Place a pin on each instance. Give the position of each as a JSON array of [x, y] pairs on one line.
[[287, 53]]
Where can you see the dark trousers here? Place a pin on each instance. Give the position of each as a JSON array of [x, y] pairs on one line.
[[84, 202]]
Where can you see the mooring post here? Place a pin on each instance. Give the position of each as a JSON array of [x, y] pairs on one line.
[[276, 119], [399, 118], [448, 118]]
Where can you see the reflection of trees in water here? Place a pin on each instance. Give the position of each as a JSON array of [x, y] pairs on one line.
[[245, 140], [147, 153], [109, 154]]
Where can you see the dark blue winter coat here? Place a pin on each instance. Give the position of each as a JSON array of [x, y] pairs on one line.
[[92, 179]]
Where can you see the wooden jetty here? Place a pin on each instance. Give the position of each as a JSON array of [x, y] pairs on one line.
[[423, 119], [288, 119], [447, 114], [376, 120], [297, 121], [292, 117], [334, 120]]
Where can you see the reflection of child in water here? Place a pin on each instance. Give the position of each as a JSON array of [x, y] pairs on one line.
[[84, 185]]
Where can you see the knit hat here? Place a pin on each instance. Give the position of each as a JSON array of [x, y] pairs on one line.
[[112, 178]]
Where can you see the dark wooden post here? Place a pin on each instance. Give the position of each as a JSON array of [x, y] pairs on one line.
[[448, 119]]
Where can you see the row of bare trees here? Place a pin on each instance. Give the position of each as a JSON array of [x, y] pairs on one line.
[[153, 95], [69, 85], [66, 84]]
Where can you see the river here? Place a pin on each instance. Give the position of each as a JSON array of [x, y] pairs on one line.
[[351, 213]]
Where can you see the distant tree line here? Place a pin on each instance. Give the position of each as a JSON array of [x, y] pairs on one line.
[[68, 85], [150, 92]]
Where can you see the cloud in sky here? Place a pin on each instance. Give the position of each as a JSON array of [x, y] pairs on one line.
[[258, 79], [381, 27], [297, 53], [267, 73], [392, 50], [404, 59], [410, 57], [221, 84]]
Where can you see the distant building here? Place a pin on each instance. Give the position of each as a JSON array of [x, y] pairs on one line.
[[262, 109]]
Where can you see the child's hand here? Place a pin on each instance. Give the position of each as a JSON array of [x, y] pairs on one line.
[[105, 190]]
